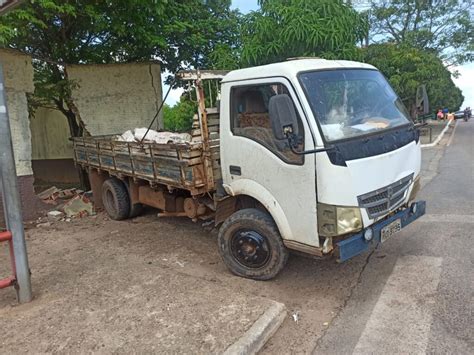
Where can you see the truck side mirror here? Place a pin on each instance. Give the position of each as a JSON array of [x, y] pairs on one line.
[[283, 116]]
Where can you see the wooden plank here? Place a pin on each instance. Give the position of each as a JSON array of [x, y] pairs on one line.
[[212, 110], [213, 122], [217, 174], [165, 153], [215, 156], [194, 161], [191, 154]]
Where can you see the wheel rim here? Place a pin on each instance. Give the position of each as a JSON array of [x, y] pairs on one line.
[[250, 248]]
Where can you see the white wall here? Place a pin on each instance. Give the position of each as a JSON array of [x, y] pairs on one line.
[[50, 135], [113, 98], [18, 73]]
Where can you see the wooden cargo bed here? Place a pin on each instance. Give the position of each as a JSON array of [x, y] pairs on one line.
[[182, 166]]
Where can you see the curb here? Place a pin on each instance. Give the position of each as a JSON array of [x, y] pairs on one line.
[[452, 134], [259, 333], [438, 139]]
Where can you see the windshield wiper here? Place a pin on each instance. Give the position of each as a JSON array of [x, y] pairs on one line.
[[293, 143]]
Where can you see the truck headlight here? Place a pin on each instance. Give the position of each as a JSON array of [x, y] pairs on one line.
[[335, 220]]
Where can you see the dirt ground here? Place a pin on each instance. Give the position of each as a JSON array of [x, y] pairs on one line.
[[112, 272]]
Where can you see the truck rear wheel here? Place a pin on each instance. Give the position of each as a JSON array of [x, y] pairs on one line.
[[251, 246], [136, 209], [115, 199]]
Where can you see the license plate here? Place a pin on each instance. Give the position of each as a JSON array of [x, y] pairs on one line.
[[390, 230]]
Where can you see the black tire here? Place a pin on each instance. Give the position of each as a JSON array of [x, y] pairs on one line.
[[135, 209], [115, 199], [251, 246]]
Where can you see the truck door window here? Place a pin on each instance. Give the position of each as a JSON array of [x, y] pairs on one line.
[[250, 118]]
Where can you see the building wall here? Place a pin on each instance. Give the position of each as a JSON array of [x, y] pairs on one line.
[[110, 98], [52, 154], [113, 98], [50, 135], [18, 73]]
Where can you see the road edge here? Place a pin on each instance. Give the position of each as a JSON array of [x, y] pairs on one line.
[[438, 139], [259, 333], [452, 134]]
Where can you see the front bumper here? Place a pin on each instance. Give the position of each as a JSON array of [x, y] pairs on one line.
[[355, 245]]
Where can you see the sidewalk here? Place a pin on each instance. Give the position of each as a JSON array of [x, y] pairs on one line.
[[435, 126], [94, 293], [430, 156]]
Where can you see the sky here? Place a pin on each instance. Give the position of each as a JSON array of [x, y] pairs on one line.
[[465, 81]]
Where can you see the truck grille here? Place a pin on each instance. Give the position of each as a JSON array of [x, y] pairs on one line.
[[387, 198]]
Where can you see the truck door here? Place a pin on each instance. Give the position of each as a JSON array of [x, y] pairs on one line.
[[255, 163]]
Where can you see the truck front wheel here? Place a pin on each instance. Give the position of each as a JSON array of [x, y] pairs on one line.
[[251, 246], [115, 199]]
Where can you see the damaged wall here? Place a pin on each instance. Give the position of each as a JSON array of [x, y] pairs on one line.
[[52, 154], [110, 98], [18, 73], [50, 135], [113, 98]]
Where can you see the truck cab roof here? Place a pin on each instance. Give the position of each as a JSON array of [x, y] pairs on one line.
[[291, 68]]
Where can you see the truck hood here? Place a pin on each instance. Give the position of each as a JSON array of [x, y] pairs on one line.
[[342, 185]]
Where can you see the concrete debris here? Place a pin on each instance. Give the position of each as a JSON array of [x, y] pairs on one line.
[[55, 215], [68, 193], [128, 136], [74, 202], [45, 224], [153, 136], [79, 206], [296, 316], [53, 193], [50, 195]]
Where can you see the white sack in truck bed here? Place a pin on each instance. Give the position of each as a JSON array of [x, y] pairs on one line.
[[154, 136]]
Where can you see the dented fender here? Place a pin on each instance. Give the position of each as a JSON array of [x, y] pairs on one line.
[[261, 194]]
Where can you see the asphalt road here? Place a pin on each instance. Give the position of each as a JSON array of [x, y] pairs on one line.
[[416, 292]]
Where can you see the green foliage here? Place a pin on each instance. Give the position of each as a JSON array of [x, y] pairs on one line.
[[179, 118], [295, 28], [406, 68], [177, 33], [442, 26], [88, 31]]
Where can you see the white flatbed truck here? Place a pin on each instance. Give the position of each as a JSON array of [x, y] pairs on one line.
[[310, 155]]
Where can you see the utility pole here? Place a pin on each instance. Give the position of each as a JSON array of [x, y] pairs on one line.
[[11, 201]]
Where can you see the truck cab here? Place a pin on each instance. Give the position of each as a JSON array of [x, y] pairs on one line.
[[326, 152]]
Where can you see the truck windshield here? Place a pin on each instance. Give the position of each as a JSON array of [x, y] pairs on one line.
[[352, 102]]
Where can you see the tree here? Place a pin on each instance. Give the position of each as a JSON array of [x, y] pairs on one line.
[[179, 118], [406, 68], [444, 27], [56, 33], [294, 28]]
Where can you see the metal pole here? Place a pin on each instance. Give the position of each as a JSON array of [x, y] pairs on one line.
[[11, 200]]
